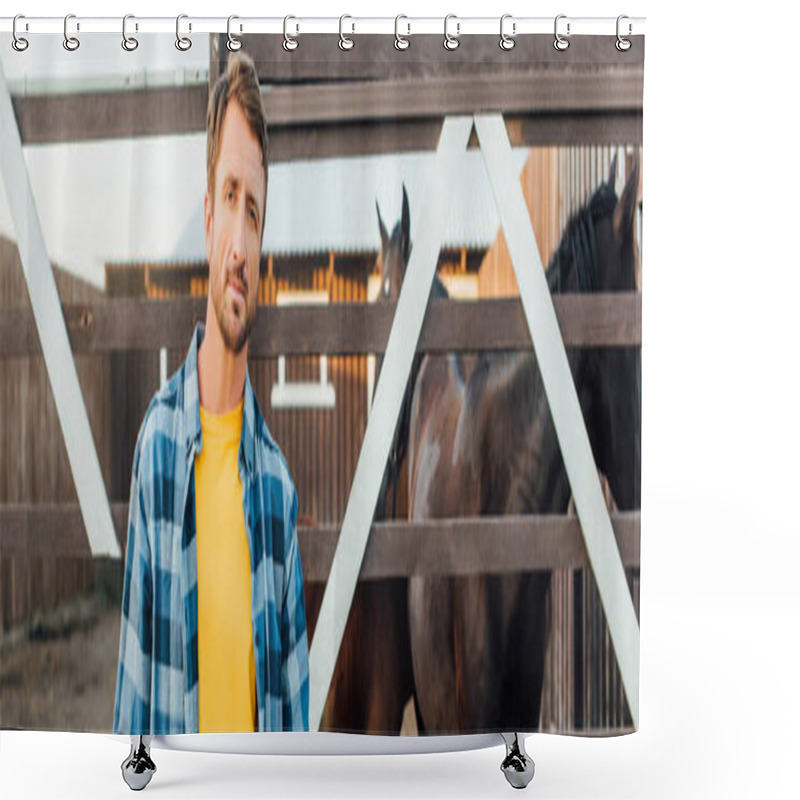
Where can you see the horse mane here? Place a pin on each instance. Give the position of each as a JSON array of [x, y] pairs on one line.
[[578, 245]]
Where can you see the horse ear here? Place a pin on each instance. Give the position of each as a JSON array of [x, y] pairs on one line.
[[405, 223], [625, 211], [612, 172], [382, 227]]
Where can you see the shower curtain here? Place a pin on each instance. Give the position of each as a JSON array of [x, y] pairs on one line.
[[419, 291]]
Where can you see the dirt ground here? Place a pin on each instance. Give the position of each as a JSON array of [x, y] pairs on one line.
[[60, 672]]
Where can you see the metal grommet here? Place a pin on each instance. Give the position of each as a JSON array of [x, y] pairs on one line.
[[128, 42], [290, 43], [234, 44], [451, 42], [507, 42], [344, 42], [19, 43], [71, 43], [401, 42], [561, 43], [623, 44], [183, 43]]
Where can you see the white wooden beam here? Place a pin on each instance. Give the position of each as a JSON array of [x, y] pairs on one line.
[[565, 409], [427, 226], [53, 336]]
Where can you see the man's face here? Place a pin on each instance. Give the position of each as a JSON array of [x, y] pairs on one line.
[[233, 229]]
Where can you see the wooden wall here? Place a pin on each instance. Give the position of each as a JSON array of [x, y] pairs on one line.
[[540, 187], [321, 445], [34, 467]]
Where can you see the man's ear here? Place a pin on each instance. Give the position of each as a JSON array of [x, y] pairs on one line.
[[208, 222]]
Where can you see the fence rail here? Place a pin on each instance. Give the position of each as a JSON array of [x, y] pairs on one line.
[[464, 546], [610, 320], [321, 107]]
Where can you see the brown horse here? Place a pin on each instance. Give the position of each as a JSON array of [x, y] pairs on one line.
[[487, 446], [373, 679]]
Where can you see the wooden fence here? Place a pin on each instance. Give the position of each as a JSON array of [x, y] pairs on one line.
[[574, 699], [321, 104]]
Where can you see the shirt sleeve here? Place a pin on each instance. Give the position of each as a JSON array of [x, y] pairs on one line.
[[294, 642], [132, 700]]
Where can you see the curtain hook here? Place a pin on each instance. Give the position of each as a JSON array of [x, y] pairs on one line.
[[71, 43], [451, 42], [183, 43], [507, 42], [401, 42], [290, 43], [344, 42], [128, 42], [561, 43], [623, 44], [19, 43], [233, 43]]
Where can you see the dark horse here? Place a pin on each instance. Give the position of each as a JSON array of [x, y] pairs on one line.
[[478, 439], [487, 446]]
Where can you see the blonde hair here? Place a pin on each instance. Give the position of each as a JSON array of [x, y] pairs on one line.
[[239, 83]]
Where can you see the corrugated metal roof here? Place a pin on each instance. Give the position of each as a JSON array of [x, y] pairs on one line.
[[142, 200]]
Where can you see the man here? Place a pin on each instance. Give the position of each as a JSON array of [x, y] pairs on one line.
[[213, 634]]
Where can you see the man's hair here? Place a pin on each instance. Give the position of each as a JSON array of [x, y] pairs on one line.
[[239, 83]]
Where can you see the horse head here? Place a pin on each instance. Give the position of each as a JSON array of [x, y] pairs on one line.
[[598, 254], [395, 250]]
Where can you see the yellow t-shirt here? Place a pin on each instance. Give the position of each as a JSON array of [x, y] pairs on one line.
[[226, 663]]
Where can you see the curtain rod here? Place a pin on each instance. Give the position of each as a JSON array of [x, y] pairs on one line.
[[350, 25]]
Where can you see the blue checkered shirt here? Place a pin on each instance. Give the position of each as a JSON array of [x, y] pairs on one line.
[[157, 688]]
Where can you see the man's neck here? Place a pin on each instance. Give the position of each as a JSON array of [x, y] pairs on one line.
[[220, 373]]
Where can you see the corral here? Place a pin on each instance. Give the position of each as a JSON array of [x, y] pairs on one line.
[[317, 328]]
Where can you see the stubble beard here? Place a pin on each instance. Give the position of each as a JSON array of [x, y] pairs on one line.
[[234, 335]]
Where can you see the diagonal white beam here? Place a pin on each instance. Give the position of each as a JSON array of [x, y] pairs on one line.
[[53, 336], [565, 408], [403, 337]]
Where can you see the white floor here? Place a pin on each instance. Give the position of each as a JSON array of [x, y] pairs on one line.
[[719, 711]]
